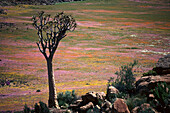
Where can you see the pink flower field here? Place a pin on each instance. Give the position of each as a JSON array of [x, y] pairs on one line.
[[108, 35]]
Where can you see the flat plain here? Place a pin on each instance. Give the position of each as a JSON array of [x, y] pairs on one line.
[[109, 34]]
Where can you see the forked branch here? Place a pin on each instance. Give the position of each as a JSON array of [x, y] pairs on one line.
[[52, 30]]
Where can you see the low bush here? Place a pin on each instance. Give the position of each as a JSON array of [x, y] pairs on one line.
[[125, 78], [134, 101], [38, 108], [67, 98], [161, 97], [27, 109], [150, 72]]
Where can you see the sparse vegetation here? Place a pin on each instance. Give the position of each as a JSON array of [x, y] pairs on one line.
[[16, 79], [38, 108], [135, 101], [67, 98], [161, 97], [125, 78], [150, 72]]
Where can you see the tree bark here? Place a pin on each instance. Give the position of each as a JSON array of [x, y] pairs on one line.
[[52, 102]]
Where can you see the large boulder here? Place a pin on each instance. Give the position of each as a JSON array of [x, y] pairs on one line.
[[119, 106], [163, 65], [146, 83], [93, 97]]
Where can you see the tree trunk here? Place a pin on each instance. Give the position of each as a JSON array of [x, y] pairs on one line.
[[52, 102]]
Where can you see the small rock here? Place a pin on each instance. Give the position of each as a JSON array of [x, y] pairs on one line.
[[87, 106], [119, 106], [110, 91], [107, 106], [38, 90]]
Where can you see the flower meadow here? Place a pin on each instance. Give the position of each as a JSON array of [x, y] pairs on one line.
[[108, 34]]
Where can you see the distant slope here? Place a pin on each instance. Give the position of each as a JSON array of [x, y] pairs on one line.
[[33, 2]]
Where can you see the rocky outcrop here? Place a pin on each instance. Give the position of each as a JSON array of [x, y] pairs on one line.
[[146, 83], [96, 102], [93, 97], [162, 69], [163, 65], [89, 101], [119, 106]]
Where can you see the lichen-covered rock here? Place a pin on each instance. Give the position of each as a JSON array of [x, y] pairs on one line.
[[163, 65], [119, 106]]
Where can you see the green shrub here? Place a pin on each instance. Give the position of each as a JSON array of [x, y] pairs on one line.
[[67, 98], [43, 108], [135, 101], [162, 95], [125, 78], [150, 72], [112, 97], [38, 108], [27, 109]]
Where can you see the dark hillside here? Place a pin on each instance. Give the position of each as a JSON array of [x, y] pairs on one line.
[[32, 2]]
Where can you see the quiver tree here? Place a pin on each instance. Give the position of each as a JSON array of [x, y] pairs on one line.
[[50, 32]]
